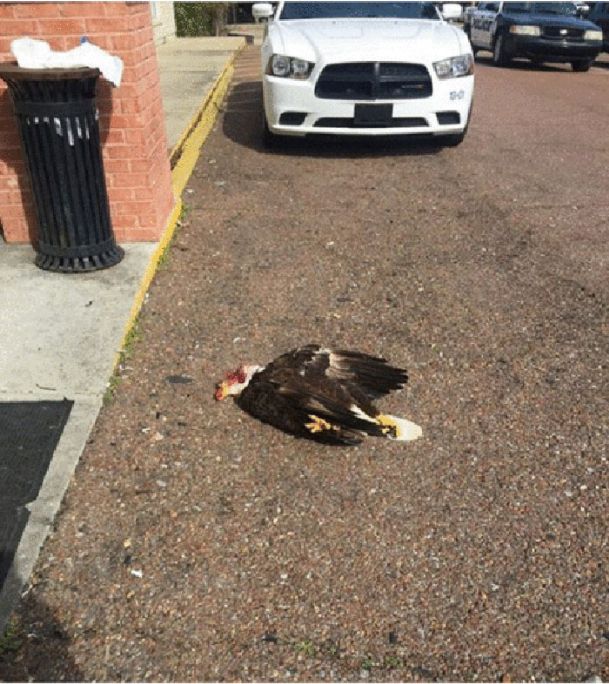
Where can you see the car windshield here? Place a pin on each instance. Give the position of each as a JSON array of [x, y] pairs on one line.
[[567, 8], [360, 10]]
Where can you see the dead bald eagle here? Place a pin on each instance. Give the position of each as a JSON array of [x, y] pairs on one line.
[[321, 393]]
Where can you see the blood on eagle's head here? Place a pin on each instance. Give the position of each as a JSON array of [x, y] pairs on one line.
[[237, 376], [231, 383]]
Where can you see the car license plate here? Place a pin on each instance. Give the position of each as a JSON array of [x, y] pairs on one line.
[[373, 114]]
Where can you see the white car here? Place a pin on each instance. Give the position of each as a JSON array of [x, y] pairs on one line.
[[365, 68]]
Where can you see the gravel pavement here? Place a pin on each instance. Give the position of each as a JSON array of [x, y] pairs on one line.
[[195, 543]]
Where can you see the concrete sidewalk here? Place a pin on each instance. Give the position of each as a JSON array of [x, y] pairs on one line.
[[61, 334], [189, 67]]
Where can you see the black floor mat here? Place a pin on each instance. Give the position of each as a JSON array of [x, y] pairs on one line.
[[29, 433]]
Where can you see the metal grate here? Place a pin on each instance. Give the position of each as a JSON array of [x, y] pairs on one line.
[[346, 122], [374, 81], [562, 33], [446, 118]]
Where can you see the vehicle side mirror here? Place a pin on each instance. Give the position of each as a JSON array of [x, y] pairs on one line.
[[262, 11], [452, 10]]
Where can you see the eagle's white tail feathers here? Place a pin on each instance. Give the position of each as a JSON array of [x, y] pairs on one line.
[[405, 430]]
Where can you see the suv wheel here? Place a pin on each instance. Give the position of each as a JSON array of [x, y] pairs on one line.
[[500, 56], [582, 65]]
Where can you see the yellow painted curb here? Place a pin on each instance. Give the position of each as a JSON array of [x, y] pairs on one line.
[[183, 158], [186, 151]]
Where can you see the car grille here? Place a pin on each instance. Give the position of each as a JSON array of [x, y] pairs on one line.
[[373, 81], [562, 33], [346, 122]]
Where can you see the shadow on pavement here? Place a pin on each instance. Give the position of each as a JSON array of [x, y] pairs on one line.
[[525, 64], [243, 125], [36, 648]]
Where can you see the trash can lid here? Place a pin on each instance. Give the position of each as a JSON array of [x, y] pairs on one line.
[[14, 72]]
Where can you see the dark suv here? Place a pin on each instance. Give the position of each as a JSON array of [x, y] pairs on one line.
[[599, 14], [539, 31]]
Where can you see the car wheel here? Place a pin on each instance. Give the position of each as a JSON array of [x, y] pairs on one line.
[[500, 57], [582, 65]]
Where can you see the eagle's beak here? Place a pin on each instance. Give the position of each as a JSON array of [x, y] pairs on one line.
[[221, 391]]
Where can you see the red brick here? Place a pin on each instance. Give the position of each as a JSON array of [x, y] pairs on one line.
[[14, 28], [115, 136], [130, 180], [82, 9], [138, 136], [144, 235], [123, 121], [12, 196], [140, 208], [16, 230], [123, 42], [61, 27], [12, 154], [113, 166], [105, 25], [129, 105], [139, 165], [121, 194], [117, 9], [5, 45], [36, 10], [125, 152], [123, 222], [7, 10], [140, 21], [11, 211]]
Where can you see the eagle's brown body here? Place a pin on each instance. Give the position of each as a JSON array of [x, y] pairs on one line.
[[326, 395]]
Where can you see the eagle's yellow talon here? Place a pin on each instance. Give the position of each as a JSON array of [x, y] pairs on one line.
[[389, 425], [317, 424]]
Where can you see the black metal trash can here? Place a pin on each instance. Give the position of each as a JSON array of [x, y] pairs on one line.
[[58, 123]]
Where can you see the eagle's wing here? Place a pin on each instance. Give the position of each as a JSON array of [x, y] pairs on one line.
[[371, 374], [293, 407], [309, 390]]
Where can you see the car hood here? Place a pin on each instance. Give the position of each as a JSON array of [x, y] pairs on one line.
[[542, 19], [345, 40]]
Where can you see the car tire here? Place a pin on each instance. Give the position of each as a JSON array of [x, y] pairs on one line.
[[500, 56], [581, 65]]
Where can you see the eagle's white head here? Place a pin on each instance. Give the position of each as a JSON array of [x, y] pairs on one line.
[[235, 381]]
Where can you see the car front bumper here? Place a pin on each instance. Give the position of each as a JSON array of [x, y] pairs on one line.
[[284, 98], [538, 47]]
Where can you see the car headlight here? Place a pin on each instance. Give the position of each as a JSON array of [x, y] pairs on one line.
[[593, 35], [454, 67], [289, 67], [525, 30]]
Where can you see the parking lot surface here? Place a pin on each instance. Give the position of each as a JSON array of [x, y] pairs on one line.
[[197, 544]]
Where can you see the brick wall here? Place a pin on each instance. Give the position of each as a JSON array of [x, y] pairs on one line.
[[132, 124]]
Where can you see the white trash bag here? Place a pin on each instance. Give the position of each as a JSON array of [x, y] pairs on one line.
[[37, 54]]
